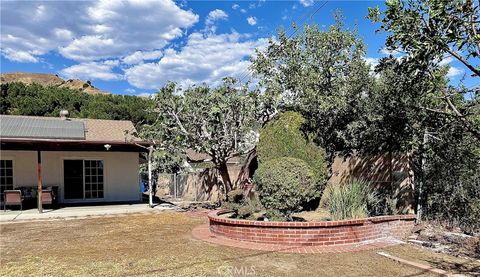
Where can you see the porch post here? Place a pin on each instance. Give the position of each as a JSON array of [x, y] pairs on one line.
[[150, 197], [39, 178]]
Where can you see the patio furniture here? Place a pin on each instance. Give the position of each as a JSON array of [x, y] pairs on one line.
[[47, 197], [12, 198], [30, 195]]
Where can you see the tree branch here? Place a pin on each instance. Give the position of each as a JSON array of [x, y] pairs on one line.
[[467, 124], [462, 60], [178, 122], [472, 22]]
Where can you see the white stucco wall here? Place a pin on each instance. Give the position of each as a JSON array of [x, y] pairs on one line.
[[121, 169]]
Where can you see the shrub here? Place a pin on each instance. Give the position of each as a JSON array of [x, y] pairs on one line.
[[283, 138], [284, 184], [236, 196], [241, 205], [354, 199]]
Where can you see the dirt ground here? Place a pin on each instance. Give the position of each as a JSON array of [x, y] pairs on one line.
[[161, 245]]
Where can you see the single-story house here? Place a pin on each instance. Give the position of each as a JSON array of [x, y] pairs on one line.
[[86, 160]]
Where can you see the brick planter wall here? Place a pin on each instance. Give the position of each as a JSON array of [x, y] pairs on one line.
[[312, 233]]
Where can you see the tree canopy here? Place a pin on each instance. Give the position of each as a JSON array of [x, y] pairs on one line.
[[216, 121], [320, 74], [426, 33], [37, 100]]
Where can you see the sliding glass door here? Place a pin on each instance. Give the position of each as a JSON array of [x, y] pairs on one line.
[[83, 179]]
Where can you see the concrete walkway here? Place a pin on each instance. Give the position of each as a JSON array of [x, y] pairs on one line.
[[81, 212]]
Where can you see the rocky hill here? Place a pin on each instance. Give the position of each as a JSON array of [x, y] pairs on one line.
[[45, 79]]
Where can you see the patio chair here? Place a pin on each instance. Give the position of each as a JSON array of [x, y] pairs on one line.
[[12, 198], [47, 197]]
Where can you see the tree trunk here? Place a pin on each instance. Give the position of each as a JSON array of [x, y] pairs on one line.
[[223, 170], [245, 173]]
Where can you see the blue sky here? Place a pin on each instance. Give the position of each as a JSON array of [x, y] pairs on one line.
[[134, 47]]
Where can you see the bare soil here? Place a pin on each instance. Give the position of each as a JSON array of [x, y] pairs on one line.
[[161, 245], [452, 240]]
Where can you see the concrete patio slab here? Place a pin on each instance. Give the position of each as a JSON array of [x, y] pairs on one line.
[[81, 212]]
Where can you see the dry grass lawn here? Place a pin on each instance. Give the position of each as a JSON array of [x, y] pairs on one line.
[[161, 245]]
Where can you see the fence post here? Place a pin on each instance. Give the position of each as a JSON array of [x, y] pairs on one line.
[[195, 185], [175, 185]]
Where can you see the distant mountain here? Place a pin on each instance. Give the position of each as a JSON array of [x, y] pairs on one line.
[[45, 79]]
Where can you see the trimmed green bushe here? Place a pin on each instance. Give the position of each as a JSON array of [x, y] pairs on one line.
[[242, 206], [283, 185], [283, 138]]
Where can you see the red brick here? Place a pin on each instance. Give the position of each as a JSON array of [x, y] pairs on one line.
[[315, 233]]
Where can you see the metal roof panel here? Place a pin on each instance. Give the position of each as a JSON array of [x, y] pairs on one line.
[[37, 127]]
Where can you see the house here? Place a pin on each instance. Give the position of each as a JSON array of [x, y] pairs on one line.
[[86, 160]]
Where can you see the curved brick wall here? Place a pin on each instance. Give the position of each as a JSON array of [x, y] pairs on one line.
[[312, 233]]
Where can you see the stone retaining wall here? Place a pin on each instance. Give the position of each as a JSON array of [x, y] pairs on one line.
[[312, 233]]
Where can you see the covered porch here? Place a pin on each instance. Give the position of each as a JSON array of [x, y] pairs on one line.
[[76, 160]]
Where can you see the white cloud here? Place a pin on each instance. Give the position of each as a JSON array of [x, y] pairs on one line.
[[19, 56], [146, 94], [372, 62], [243, 11], [141, 56], [130, 90], [205, 58], [235, 6], [445, 61], [87, 30], [92, 71], [307, 3], [214, 16], [252, 20], [388, 52], [454, 72], [88, 48], [63, 34]]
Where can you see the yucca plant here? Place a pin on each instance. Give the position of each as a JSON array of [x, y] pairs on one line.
[[353, 199]]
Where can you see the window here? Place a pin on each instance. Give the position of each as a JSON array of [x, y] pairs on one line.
[[6, 175], [93, 179]]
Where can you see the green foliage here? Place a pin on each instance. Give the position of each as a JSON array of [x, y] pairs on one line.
[[321, 74], [452, 179], [21, 99], [446, 133], [236, 196], [282, 137], [284, 184], [354, 199], [214, 121], [427, 32], [395, 111], [242, 206], [275, 215]]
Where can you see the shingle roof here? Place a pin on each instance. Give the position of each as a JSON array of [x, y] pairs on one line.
[[93, 129], [108, 130]]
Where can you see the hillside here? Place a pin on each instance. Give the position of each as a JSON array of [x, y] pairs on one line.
[[49, 80]]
